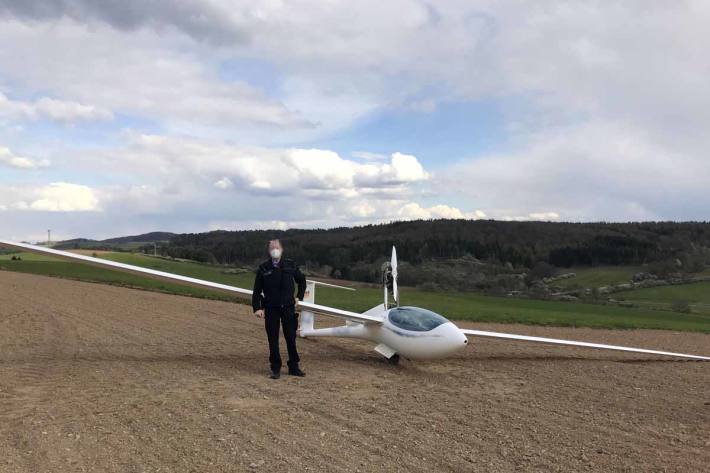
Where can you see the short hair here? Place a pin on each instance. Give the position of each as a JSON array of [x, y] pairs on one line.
[[275, 240]]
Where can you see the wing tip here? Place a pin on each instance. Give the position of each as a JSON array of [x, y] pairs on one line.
[[578, 344]]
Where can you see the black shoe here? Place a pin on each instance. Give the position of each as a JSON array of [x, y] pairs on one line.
[[296, 372], [275, 375]]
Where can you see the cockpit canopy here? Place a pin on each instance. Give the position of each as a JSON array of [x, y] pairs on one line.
[[415, 319]]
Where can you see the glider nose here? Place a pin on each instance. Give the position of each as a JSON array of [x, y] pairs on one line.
[[458, 339]]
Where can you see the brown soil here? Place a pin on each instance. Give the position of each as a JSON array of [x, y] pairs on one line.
[[100, 378]]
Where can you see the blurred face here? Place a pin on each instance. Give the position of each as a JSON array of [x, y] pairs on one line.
[[275, 249]]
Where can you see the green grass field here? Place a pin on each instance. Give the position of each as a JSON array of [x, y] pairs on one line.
[[38, 264], [457, 306], [698, 292], [598, 276], [662, 298]]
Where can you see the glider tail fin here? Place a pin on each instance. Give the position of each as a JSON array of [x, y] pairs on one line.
[[306, 319], [306, 325]]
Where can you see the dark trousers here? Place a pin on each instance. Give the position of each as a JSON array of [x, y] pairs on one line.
[[285, 316]]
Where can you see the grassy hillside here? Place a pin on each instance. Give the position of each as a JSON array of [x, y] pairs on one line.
[[126, 243], [457, 306], [697, 293], [597, 276], [663, 298], [215, 273]]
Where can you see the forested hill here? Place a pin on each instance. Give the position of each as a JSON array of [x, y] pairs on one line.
[[522, 244]]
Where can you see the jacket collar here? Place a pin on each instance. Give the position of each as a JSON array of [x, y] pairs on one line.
[[268, 264]]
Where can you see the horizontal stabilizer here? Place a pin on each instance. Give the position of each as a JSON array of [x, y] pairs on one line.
[[331, 285], [526, 338], [343, 314]]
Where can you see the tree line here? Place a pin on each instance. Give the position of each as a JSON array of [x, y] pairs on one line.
[[357, 252]]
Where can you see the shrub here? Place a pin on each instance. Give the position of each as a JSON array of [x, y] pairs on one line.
[[429, 287], [681, 306], [663, 269], [693, 263], [539, 271]]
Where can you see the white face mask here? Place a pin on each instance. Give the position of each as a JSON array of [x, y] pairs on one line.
[[275, 253]]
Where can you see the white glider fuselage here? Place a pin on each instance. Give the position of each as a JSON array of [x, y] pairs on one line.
[[411, 332]]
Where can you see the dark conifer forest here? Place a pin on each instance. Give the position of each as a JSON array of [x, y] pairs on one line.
[[356, 253]]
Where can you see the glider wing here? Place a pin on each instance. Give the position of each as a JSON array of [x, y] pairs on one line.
[[183, 280], [554, 341]]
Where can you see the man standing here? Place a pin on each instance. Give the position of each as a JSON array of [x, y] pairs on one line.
[[273, 301]]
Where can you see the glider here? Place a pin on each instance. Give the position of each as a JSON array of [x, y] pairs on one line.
[[411, 332]]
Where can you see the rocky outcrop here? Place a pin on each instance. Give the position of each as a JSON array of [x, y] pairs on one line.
[[559, 277]]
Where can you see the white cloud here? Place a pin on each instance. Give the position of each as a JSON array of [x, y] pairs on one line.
[[368, 156], [406, 168], [337, 64], [66, 111], [414, 211], [203, 20], [150, 74], [190, 181], [363, 209], [545, 216], [539, 216], [605, 107], [340, 213], [313, 173], [62, 111], [257, 225], [59, 197], [8, 158], [224, 183], [594, 171]]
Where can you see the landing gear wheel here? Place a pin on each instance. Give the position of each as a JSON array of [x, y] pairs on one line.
[[393, 360]]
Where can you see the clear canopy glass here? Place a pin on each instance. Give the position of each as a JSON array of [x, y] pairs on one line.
[[415, 319]]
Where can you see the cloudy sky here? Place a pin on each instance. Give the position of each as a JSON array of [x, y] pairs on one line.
[[120, 117]]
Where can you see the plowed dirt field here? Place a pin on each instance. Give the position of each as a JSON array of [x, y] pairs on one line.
[[106, 379]]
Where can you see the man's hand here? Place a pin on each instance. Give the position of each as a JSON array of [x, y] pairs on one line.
[[259, 313]]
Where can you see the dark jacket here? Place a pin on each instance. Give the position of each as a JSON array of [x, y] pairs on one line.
[[274, 286]]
